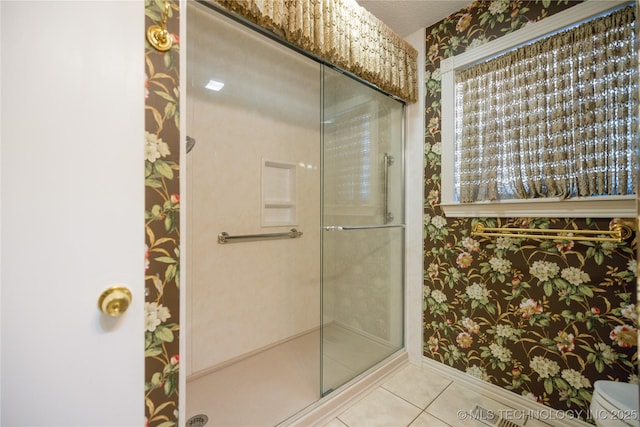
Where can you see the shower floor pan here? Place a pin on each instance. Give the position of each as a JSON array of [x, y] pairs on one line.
[[267, 388]]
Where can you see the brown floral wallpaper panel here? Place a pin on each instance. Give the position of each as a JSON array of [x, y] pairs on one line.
[[543, 319], [162, 219]]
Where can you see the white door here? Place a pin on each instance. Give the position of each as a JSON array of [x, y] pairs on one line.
[[72, 218]]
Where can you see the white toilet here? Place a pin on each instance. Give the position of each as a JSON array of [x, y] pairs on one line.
[[615, 404]]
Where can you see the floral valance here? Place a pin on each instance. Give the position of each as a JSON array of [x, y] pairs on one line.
[[342, 33]]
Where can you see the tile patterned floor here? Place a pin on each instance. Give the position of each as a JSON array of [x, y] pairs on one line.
[[399, 402], [415, 397]]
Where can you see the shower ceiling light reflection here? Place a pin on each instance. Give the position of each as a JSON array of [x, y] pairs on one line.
[[214, 85]]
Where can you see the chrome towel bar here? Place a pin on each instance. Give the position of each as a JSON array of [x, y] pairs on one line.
[[224, 237]]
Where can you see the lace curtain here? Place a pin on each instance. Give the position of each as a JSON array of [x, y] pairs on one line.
[[556, 118], [342, 33]]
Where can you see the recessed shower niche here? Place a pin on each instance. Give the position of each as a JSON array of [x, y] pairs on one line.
[[278, 193], [276, 323]]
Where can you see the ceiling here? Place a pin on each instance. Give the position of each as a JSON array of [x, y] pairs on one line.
[[405, 17]]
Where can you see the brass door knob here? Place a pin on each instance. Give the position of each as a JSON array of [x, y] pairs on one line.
[[114, 301]]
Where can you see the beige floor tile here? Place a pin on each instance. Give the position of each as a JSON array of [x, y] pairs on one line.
[[416, 385], [455, 404], [380, 408], [428, 420]]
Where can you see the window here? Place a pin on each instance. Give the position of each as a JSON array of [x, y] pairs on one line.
[[543, 122]]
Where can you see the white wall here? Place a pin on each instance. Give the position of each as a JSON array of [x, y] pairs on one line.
[[414, 209]]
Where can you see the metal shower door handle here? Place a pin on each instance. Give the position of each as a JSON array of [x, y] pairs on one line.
[[388, 161]]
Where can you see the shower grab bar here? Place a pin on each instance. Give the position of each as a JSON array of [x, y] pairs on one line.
[[361, 227], [224, 237]]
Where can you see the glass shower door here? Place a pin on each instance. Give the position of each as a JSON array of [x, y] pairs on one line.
[[253, 314], [362, 228]]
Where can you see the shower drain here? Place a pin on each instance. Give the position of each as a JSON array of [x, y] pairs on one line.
[[199, 420]]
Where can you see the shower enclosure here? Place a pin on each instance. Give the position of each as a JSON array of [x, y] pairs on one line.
[[295, 226]]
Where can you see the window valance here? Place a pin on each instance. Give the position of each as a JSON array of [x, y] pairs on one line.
[[342, 33]]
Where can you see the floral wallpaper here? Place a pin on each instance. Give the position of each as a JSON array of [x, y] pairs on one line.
[[162, 218], [543, 319]]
